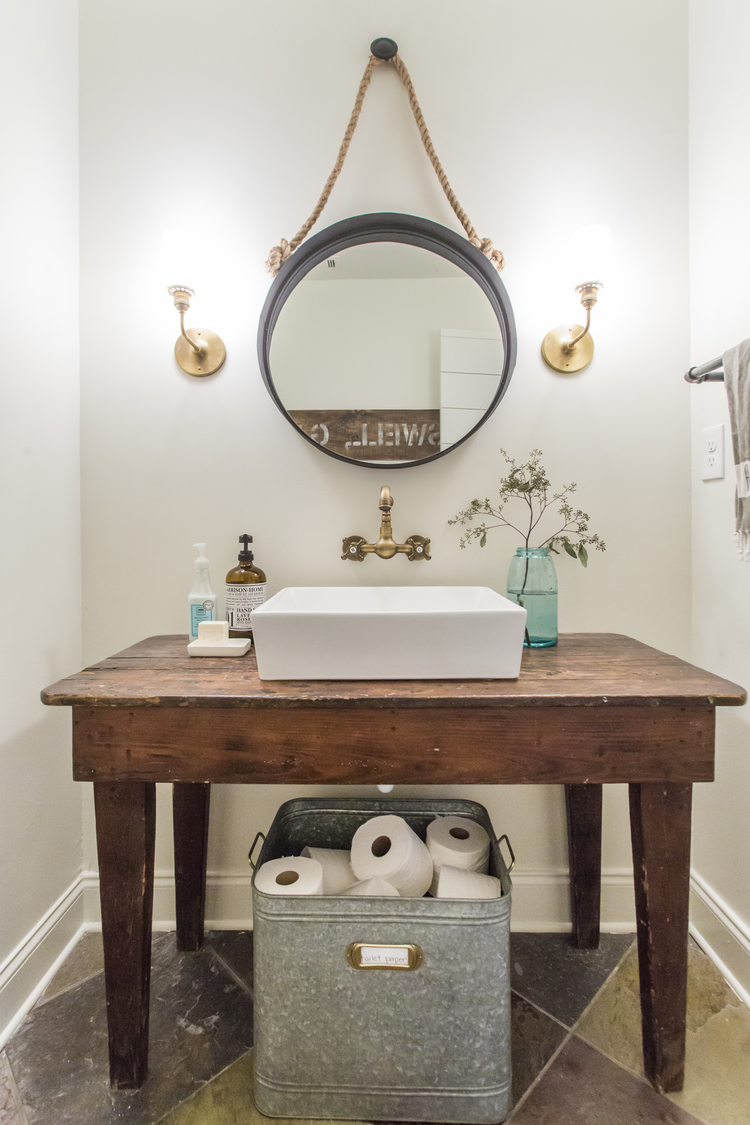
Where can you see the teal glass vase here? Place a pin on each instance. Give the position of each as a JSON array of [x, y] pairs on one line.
[[532, 583]]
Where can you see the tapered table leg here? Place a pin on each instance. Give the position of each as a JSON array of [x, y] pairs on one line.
[[584, 809], [125, 823], [660, 830], [190, 805]]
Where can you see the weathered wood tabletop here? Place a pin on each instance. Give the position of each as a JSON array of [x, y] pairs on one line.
[[597, 708], [584, 669]]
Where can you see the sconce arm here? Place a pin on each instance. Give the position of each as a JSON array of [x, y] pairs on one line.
[[572, 343], [198, 348]]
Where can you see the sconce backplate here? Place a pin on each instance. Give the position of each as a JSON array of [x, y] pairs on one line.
[[206, 362], [560, 357]]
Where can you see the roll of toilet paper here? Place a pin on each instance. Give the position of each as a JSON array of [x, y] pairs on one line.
[[458, 842], [387, 848], [455, 882], [375, 887], [291, 875], [337, 869]]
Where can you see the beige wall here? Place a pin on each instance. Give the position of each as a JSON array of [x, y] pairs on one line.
[[40, 807], [546, 116], [720, 318]]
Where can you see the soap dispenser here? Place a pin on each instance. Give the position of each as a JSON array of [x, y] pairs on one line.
[[201, 599], [245, 590]]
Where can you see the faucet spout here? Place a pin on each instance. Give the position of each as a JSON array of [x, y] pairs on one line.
[[386, 546]]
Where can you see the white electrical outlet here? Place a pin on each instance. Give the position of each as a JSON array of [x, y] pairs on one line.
[[712, 453]]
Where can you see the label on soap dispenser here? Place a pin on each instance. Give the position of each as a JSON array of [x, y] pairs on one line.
[[200, 611], [241, 600]]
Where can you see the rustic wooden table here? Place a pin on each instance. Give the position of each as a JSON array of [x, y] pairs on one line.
[[597, 708]]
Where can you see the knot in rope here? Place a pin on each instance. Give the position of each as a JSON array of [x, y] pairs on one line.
[[485, 245], [278, 256]]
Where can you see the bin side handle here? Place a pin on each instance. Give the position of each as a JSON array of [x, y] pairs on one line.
[[262, 836], [499, 841]]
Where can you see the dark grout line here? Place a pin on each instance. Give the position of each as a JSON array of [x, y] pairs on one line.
[[539, 1076], [570, 1033], [642, 1079], [6, 1071], [559, 1022], [235, 977], [43, 1000], [200, 1090], [599, 990]]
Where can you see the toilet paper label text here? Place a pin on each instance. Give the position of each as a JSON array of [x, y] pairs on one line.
[[361, 956], [388, 956]]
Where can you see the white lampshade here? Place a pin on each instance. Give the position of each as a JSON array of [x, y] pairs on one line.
[[590, 254]]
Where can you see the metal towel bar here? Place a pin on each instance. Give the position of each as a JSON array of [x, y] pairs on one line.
[[711, 372]]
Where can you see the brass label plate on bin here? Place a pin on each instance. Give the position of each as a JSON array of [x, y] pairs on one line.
[[361, 955]]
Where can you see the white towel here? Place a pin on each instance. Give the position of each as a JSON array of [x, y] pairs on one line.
[[737, 381]]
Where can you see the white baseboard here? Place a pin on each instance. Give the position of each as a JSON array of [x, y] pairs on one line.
[[228, 901], [721, 934], [541, 901], [29, 968]]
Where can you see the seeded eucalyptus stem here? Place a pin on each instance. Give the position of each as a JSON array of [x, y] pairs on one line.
[[529, 482]]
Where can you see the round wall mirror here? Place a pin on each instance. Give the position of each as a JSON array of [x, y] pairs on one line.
[[387, 340]]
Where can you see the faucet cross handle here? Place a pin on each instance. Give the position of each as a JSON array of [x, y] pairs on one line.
[[352, 547], [419, 548]]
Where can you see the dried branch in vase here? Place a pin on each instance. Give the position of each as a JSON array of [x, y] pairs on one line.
[[528, 484]]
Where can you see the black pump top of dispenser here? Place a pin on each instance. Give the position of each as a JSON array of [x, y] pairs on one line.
[[246, 555]]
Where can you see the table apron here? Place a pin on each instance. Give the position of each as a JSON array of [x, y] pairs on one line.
[[427, 745]]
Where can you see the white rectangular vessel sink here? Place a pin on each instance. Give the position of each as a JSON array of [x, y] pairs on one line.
[[388, 633]]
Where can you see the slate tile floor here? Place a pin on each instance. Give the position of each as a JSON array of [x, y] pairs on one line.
[[576, 1042]]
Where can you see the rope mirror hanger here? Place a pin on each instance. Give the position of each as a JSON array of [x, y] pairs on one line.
[[383, 50]]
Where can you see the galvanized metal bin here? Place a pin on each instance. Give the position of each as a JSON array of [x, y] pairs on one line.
[[427, 1043]]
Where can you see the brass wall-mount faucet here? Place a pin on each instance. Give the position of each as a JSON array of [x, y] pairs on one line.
[[416, 548]]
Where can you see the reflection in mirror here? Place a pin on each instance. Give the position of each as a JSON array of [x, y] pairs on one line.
[[386, 352]]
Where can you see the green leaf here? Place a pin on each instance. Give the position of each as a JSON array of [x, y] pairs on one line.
[[553, 549], [583, 554], [483, 540], [570, 550]]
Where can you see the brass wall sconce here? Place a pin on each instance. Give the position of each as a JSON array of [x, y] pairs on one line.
[[570, 348], [198, 351]]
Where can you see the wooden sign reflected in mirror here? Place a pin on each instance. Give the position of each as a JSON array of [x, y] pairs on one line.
[[373, 435], [387, 339]]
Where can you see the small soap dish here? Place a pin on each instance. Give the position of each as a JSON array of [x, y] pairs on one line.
[[214, 640]]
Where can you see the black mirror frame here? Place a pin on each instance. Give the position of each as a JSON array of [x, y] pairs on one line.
[[388, 227]]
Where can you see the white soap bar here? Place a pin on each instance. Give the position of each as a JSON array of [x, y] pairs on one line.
[[213, 632]]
